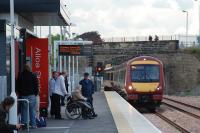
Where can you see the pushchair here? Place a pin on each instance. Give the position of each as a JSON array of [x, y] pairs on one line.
[[77, 108]]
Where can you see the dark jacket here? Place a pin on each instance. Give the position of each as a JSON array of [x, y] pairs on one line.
[[27, 84], [87, 88], [4, 126]]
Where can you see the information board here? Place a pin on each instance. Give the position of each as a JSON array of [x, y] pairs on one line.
[[75, 50]]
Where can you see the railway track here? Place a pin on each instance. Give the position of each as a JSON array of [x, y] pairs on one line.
[[181, 129], [188, 105], [182, 110]]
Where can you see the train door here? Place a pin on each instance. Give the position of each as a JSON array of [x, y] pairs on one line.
[[37, 57]]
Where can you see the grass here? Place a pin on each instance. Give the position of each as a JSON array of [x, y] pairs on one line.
[[192, 50]]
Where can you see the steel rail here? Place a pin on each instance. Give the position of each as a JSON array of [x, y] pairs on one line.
[[181, 129], [188, 105], [182, 110]]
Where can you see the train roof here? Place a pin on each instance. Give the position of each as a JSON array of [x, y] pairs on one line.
[[144, 58], [112, 68]]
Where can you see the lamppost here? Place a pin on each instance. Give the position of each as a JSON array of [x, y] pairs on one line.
[[13, 110], [186, 26], [199, 16], [198, 38]]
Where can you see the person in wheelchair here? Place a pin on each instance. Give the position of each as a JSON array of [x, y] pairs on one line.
[[87, 110]]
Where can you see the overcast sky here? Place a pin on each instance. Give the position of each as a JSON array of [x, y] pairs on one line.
[[117, 18]]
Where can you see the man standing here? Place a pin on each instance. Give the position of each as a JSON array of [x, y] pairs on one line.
[[28, 89], [58, 93], [87, 89], [4, 109], [52, 84]]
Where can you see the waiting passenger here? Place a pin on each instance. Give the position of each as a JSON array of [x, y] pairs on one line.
[[5, 106], [87, 110], [77, 95], [52, 83], [28, 89], [60, 91]]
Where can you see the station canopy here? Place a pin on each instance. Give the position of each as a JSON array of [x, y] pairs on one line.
[[39, 12]]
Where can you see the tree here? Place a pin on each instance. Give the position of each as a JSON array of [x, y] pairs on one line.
[[55, 38], [93, 36]]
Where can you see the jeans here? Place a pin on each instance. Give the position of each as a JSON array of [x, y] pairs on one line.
[[52, 108], [90, 100], [32, 110]]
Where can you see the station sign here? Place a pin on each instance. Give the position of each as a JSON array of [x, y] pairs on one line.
[[37, 53], [75, 50]]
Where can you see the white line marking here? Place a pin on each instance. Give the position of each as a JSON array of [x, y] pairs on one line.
[[54, 128]]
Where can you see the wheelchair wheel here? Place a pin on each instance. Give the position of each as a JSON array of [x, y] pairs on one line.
[[73, 111]]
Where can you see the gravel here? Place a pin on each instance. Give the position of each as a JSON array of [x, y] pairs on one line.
[[192, 100], [188, 122], [189, 109], [160, 124]]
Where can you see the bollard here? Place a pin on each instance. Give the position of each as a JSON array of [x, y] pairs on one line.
[[27, 102]]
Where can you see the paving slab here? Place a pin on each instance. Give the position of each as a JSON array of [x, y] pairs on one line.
[[104, 123]]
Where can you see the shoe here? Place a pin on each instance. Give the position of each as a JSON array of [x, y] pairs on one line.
[[90, 117], [59, 118], [84, 117], [33, 127], [94, 115], [24, 127]]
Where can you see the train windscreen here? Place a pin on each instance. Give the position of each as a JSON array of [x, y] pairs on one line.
[[145, 73]]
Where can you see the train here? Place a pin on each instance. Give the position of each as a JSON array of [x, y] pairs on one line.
[[142, 80]]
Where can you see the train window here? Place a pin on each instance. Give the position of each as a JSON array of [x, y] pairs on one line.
[[145, 73]]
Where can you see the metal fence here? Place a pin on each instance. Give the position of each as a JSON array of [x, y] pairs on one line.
[[184, 42]]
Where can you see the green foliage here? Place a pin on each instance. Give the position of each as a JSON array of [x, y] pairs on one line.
[[55, 38], [93, 36], [188, 93], [193, 50]]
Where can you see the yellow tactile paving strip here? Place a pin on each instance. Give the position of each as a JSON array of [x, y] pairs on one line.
[[120, 121]]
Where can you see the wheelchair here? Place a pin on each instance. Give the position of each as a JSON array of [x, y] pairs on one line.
[[74, 109]]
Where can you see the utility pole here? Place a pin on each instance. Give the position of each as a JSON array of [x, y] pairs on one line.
[[186, 26]]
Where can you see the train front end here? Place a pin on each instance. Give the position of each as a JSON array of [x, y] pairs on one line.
[[145, 81]]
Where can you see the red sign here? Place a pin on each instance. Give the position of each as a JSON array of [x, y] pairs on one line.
[[37, 51]]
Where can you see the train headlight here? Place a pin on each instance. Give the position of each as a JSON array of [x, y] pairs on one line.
[[159, 88], [130, 87]]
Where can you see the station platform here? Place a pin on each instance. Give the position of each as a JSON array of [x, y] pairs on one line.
[[115, 115], [103, 123]]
